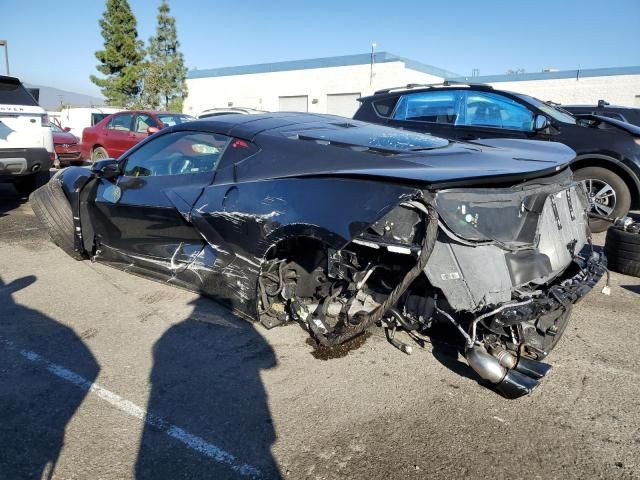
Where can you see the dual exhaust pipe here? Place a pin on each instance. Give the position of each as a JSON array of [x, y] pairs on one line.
[[513, 377]]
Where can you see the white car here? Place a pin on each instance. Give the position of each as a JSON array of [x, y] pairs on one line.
[[76, 119], [216, 112], [26, 141]]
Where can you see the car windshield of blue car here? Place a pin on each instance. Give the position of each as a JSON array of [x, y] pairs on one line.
[[550, 110], [373, 137]]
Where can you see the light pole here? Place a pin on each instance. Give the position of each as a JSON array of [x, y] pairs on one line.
[[5, 44], [373, 61]]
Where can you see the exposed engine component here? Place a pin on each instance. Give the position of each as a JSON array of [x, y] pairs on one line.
[[409, 271]]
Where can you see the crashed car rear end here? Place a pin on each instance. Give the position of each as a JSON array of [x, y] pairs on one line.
[[345, 226]]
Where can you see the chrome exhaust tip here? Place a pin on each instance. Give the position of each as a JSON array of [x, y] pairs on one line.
[[35, 168], [514, 382]]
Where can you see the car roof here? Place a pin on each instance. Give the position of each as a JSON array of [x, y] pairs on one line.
[[248, 126], [447, 85]]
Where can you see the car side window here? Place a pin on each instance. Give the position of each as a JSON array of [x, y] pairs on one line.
[[121, 122], [177, 153], [439, 106], [144, 121], [484, 109]]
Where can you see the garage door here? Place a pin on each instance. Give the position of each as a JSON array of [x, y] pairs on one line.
[[293, 104], [344, 104]]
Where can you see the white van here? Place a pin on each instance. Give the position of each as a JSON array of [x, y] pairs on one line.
[[26, 141], [79, 118]]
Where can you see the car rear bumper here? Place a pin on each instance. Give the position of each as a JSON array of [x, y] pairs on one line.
[[66, 155], [15, 162]]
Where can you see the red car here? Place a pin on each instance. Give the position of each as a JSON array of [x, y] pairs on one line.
[[66, 146], [117, 133]]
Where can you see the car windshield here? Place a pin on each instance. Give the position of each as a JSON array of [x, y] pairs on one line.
[[13, 93], [553, 112], [169, 120], [56, 128]]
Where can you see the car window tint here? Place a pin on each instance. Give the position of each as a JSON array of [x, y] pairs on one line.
[[13, 93], [483, 109], [144, 121], [385, 107], [98, 117], [120, 122], [177, 153], [435, 107]]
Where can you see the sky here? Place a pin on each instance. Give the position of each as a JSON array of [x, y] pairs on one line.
[[53, 43]]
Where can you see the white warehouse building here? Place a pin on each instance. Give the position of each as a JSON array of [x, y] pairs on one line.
[[333, 84], [320, 85]]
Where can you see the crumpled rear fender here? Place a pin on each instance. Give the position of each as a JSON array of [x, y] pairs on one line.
[[252, 217], [242, 222]]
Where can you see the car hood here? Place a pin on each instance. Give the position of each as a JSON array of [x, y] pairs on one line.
[[627, 127], [490, 161], [65, 137]]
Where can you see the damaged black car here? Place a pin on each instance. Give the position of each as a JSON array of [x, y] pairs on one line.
[[341, 226]]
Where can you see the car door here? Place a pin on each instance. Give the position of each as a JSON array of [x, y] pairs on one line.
[[117, 134], [142, 217], [141, 124]]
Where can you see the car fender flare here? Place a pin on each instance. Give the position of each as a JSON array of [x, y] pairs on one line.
[[597, 159]]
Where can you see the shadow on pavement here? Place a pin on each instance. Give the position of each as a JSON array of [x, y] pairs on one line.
[[35, 405], [206, 380], [632, 288], [9, 199]]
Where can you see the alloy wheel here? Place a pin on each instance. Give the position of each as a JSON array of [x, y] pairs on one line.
[[601, 195]]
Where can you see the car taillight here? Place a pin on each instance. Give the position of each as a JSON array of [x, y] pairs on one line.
[[237, 143], [45, 122]]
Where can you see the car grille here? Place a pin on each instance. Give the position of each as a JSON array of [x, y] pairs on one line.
[[73, 156]]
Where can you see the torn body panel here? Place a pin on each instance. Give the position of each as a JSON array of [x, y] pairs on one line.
[[536, 234]]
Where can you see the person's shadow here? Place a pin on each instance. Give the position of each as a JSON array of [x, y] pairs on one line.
[[35, 404], [206, 381]]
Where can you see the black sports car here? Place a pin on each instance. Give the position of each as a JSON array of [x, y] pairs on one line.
[[341, 225], [607, 150]]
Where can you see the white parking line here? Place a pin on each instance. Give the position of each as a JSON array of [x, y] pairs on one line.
[[192, 441]]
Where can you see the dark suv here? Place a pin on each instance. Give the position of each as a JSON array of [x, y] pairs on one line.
[[608, 151], [617, 112]]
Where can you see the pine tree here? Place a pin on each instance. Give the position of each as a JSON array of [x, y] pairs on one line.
[[121, 59], [165, 73]]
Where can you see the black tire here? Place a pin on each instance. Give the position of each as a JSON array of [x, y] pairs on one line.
[[52, 208], [99, 153], [622, 194], [27, 184], [623, 251]]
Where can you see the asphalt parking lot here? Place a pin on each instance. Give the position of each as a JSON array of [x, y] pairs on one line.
[[106, 375]]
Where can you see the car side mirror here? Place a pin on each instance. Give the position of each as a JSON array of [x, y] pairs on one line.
[[109, 168], [67, 129], [152, 130], [540, 123]]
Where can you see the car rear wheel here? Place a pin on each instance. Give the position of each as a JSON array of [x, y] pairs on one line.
[[52, 208], [99, 153], [608, 194]]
